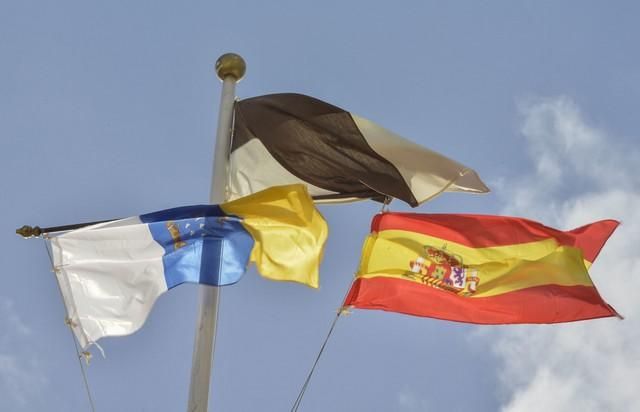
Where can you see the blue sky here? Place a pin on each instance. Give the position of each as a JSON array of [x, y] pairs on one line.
[[108, 109]]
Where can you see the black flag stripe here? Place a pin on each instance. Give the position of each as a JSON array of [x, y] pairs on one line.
[[320, 144]]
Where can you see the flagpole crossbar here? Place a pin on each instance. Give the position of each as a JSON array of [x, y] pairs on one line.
[[27, 231]]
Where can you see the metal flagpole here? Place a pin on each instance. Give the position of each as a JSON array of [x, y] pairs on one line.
[[230, 69]]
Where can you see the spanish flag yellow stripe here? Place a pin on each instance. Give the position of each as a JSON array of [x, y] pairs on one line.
[[500, 269]]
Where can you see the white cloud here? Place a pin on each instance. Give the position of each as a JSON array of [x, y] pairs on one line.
[[409, 401], [21, 377], [580, 175], [10, 316]]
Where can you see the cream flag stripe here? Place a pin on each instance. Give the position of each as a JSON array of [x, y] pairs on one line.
[[292, 138]]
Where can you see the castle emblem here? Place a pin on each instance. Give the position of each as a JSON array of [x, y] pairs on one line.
[[439, 269], [174, 231]]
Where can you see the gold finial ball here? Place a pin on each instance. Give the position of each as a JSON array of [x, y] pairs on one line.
[[28, 231], [231, 64]]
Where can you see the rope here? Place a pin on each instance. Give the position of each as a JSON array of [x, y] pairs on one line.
[[79, 354], [341, 310], [296, 404], [385, 204]]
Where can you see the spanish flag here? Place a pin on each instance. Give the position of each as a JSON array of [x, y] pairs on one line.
[[480, 269]]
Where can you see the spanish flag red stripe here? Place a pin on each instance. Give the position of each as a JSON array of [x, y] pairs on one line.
[[480, 269], [541, 304], [486, 231]]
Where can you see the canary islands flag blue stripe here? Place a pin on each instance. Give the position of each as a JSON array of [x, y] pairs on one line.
[[201, 244]]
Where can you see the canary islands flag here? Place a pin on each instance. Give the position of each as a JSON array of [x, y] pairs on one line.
[[111, 274], [480, 269]]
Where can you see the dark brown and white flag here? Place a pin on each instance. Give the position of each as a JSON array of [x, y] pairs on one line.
[[290, 138]]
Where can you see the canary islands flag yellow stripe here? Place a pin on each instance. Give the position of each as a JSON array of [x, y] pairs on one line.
[[288, 230]]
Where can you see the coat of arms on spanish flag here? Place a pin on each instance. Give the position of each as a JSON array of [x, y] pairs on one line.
[[480, 269]]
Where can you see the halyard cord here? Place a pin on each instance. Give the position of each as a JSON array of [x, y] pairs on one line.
[[341, 310], [77, 349], [296, 404], [385, 204]]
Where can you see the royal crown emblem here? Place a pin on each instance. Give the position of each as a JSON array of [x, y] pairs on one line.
[[442, 270]]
